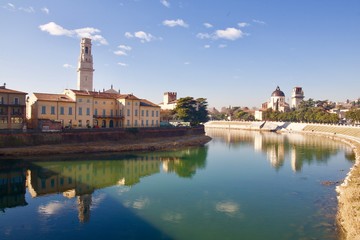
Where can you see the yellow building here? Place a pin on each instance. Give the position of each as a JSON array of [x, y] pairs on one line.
[[55, 107], [12, 108], [83, 108]]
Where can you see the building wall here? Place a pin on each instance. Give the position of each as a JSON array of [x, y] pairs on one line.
[[12, 110]]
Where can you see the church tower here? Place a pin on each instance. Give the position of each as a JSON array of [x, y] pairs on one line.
[[296, 97], [85, 66]]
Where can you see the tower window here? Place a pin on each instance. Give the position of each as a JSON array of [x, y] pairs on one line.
[[86, 50]]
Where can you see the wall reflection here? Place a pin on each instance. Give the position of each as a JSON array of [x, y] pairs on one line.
[[79, 179], [300, 149]]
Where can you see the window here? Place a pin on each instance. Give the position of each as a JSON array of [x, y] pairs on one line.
[[80, 111], [43, 109], [52, 109], [88, 101], [147, 113], [95, 102], [128, 122], [80, 99], [61, 110], [157, 122], [95, 112], [2, 100], [70, 110], [142, 122], [88, 111], [142, 113], [128, 112], [86, 50], [136, 112], [111, 112], [157, 113], [104, 112], [147, 122], [128, 103], [152, 113], [152, 123], [136, 123], [16, 101]]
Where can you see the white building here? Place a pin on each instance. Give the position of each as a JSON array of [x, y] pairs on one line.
[[169, 102], [297, 97]]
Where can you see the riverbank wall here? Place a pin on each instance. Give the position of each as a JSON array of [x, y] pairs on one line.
[[348, 216], [94, 135]]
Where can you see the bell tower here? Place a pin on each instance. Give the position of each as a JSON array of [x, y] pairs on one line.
[[85, 66]]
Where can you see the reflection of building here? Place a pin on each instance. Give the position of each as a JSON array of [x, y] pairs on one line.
[[276, 155], [85, 107], [12, 108], [12, 189], [297, 148], [84, 203]]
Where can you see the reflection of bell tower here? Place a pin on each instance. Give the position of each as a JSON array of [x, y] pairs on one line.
[[84, 202], [85, 66]]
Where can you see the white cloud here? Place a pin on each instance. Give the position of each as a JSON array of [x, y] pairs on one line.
[[124, 47], [259, 22], [222, 45], [54, 29], [207, 46], [120, 53], [243, 24], [66, 65], [143, 36], [208, 25], [128, 35], [174, 23], [123, 64], [27, 9], [229, 34], [203, 35], [229, 208], [10, 7], [88, 32], [166, 3], [186, 63], [45, 10]]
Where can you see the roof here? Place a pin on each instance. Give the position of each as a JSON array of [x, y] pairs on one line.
[[53, 97], [146, 103], [3, 89], [278, 93], [109, 95]]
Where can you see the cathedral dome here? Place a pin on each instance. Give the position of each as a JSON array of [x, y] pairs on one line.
[[278, 93]]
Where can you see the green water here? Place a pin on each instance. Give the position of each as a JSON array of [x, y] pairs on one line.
[[241, 185]]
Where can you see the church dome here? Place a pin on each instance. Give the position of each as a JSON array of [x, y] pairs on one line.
[[278, 93]]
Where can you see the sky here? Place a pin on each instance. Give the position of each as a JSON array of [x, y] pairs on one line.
[[231, 52]]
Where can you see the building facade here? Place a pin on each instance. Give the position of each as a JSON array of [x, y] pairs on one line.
[[84, 108], [169, 101], [12, 108], [297, 96]]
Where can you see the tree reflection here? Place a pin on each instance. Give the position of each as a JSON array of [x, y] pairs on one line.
[[299, 149]]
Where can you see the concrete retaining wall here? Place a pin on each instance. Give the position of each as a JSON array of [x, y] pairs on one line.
[[94, 135]]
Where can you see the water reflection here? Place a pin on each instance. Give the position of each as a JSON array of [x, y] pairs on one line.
[[302, 149], [79, 179]]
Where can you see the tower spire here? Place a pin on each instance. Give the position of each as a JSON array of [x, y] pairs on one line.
[[85, 66]]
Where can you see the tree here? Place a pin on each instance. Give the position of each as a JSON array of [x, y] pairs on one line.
[[193, 111]]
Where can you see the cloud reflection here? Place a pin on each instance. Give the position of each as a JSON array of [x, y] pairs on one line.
[[173, 217], [230, 208]]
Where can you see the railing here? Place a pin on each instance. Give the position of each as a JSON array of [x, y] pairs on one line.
[[108, 116]]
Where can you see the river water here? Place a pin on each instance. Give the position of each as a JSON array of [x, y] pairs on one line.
[[241, 185]]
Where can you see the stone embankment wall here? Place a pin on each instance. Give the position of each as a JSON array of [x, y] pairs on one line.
[[349, 191], [94, 135]]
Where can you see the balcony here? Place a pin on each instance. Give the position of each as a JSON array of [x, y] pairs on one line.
[[13, 104], [108, 116]]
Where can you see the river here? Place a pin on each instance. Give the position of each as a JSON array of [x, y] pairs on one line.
[[241, 185]]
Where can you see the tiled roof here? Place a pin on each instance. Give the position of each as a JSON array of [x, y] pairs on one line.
[[6, 90], [53, 97], [146, 103]]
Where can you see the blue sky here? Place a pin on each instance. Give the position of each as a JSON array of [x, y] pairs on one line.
[[232, 52]]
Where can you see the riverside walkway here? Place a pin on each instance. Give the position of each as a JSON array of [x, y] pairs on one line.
[[348, 216]]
